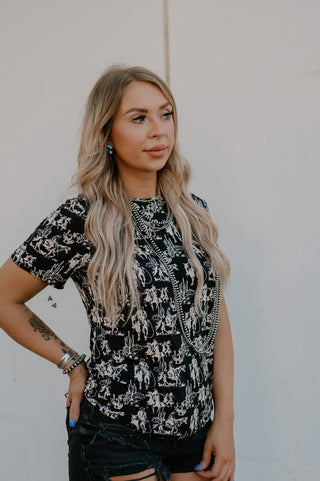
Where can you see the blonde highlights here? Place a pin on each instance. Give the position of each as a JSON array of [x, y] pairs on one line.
[[108, 224]]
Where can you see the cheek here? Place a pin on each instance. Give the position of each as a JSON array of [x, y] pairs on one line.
[[127, 140], [170, 128], [171, 134]]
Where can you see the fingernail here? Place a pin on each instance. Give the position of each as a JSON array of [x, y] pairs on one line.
[[197, 467], [72, 422]]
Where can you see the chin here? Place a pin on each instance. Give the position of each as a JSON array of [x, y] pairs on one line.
[[156, 164]]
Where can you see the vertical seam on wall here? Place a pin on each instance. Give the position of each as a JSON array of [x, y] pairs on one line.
[[166, 40]]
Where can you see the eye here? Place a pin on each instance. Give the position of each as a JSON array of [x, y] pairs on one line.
[[168, 115], [139, 119]]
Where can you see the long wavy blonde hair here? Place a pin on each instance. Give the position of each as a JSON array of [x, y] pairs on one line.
[[108, 224]]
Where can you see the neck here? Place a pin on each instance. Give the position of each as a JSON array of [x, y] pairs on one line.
[[144, 192], [143, 187]]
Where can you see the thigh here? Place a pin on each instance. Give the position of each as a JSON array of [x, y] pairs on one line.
[[187, 477], [148, 475]]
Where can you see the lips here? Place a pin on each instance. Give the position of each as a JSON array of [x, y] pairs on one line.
[[157, 148]]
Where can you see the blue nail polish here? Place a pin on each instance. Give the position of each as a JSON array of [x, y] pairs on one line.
[[197, 467], [72, 422]]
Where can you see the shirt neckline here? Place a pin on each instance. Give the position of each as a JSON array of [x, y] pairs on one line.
[[147, 199]]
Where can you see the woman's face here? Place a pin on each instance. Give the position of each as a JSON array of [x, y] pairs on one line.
[[144, 121]]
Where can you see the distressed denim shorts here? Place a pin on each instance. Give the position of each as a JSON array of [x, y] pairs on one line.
[[100, 449]]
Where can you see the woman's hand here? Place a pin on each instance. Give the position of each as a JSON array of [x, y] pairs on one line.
[[78, 377], [220, 443]]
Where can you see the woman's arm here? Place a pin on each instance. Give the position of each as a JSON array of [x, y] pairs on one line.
[[223, 368], [220, 439], [17, 286]]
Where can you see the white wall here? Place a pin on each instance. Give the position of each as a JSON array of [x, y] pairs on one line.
[[52, 54], [245, 75]]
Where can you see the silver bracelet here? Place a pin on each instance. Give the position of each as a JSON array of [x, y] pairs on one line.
[[74, 364], [66, 358]]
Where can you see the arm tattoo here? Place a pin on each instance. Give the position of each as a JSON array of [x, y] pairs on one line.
[[43, 329]]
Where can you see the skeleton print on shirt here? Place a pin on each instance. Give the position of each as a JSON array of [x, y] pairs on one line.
[[141, 372]]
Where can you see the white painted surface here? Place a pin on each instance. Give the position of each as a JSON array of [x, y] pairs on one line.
[[246, 79], [52, 54]]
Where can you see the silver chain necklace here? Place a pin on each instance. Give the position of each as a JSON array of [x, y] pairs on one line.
[[153, 225], [208, 344]]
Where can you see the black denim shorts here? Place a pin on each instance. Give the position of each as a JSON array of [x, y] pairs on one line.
[[100, 448]]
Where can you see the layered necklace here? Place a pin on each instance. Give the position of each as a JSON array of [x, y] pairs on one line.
[[148, 228], [151, 225]]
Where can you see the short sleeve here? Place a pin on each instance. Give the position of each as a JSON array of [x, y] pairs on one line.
[[200, 201], [203, 204], [58, 246]]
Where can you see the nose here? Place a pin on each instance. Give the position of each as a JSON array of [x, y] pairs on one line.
[[155, 128]]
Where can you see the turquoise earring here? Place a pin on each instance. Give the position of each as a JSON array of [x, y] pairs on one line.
[[110, 150]]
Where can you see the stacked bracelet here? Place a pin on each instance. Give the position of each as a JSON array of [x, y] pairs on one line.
[[74, 364], [66, 358]]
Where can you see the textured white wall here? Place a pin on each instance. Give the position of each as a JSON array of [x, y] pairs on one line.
[[245, 75], [52, 54]]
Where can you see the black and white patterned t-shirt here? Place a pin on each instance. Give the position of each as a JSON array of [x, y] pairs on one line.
[[141, 373]]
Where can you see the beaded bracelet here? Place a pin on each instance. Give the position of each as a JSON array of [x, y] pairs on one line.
[[66, 358], [75, 364]]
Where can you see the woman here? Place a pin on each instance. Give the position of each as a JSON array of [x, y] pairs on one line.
[[142, 251]]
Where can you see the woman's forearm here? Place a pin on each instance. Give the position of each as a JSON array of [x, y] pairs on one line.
[[25, 327], [223, 370]]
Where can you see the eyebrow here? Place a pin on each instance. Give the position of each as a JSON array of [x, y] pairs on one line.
[[137, 109]]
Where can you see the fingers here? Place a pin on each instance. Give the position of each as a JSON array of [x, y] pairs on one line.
[[77, 380], [217, 467], [205, 461], [231, 471], [74, 402], [223, 474], [218, 471], [225, 470]]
